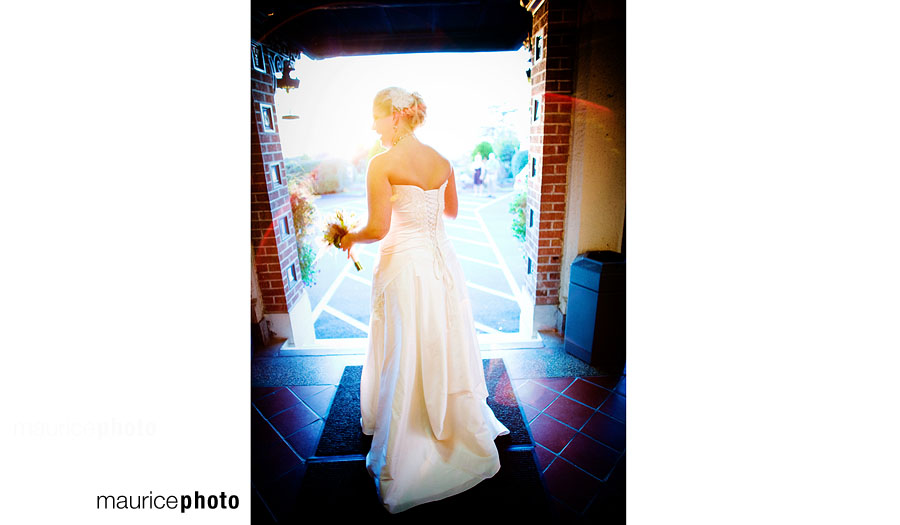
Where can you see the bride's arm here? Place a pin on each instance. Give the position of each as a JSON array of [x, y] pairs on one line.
[[378, 190], [451, 204]]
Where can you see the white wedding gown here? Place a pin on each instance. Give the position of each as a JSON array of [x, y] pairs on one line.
[[422, 392]]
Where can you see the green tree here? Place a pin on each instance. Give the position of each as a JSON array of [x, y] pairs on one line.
[[484, 148]]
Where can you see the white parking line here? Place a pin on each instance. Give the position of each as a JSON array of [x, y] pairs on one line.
[[479, 243], [479, 261], [493, 201], [365, 250], [510, 280], [451, 225], [492, 291], [322, 304], [360, 279], [347, 319]]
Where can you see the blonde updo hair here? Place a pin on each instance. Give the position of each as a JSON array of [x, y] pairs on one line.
[[410, 106]]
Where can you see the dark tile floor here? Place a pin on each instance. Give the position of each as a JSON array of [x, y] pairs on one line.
[[577, 422]]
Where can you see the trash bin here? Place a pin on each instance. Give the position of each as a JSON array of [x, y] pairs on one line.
[[595, 312]]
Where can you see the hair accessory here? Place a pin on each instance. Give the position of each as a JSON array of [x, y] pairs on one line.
[[400, 98]]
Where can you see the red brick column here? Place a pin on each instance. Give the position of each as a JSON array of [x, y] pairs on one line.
[[275, 249], [552, 74]]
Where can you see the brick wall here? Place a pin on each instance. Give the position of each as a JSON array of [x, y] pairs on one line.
[[552, 76], [275, 250]]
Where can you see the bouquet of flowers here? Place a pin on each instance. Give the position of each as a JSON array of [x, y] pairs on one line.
[[335, 227]]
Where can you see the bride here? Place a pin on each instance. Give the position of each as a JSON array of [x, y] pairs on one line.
[[422, 392]]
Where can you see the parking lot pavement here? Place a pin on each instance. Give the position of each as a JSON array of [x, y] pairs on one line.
[[488, 252]]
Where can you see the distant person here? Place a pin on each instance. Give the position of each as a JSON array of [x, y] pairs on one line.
[[492, 173], [478, 174]]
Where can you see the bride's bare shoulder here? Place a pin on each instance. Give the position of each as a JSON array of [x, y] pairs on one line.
[[436, 156], [379, 163]]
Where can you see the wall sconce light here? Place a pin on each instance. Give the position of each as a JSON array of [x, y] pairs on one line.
[[287, 84]]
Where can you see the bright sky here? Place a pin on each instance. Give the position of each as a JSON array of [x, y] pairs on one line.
[[463, 92]]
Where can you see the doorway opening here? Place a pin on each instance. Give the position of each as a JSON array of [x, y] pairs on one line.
[[478, 103]]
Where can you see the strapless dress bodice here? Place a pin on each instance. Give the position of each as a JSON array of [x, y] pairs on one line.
[[417, 222]]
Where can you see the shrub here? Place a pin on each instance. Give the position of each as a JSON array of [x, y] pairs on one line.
[[330, 176], [376, 148], [505, 149], [517, 209], [324, 181], [519, 160], [304, 212], [308, 268], [299, 167]]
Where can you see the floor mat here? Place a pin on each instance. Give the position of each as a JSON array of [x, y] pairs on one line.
[[342, 435], [337, 485]]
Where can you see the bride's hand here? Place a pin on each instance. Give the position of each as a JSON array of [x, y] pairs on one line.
[[347, 242]]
